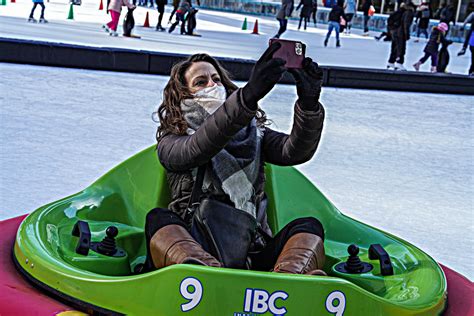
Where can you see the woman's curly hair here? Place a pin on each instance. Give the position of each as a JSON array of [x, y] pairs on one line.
[[176, 90]]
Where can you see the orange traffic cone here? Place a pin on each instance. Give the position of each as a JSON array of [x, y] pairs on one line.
[[101, 6], [255, 28], [147, 22]]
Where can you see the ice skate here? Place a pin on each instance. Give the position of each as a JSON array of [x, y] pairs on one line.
[[32, 20], [417, 66], [325, 42], [365, 34], [390, 66], [113, 33], [399, 66], [338, 44], [106, 28], [433, 69], [43, 20]]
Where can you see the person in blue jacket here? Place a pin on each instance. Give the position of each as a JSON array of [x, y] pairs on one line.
[[35, 4]]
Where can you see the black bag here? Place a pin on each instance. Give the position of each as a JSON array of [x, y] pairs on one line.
[[224, 231]]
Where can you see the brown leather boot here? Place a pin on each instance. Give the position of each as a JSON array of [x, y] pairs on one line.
[[173, 244], [303, 253]]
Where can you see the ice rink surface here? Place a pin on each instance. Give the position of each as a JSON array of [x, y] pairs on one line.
[[221, 35], [402, 162]]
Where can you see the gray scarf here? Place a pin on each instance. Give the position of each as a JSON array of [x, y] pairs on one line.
[[234, 170]]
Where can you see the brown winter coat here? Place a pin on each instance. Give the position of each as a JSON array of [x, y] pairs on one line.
[[181, 153]]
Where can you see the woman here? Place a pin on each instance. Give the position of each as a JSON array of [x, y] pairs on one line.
[[115, 8], [422, 19], [283, 15], [160, 6], [366, 8], [305, 12], [350, 11], [207, 120], [334, 22]]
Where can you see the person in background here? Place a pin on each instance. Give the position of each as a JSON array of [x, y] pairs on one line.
[[314, 12], [183, 8], [469, 19], [191, 18], [175, 8], [305, 12], [365, 8], [400, 25], [350, 11], [283, 15], [115, 8], [448, 14], [35, 4], [422, 18], [160, 6], [335, 16], [438, 36]]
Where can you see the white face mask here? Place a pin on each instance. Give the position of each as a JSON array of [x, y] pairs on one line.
[[211, 98]]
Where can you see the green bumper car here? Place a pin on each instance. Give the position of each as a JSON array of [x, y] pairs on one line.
[[85, 248]]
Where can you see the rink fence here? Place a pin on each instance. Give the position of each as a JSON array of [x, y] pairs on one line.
[[149, 62]]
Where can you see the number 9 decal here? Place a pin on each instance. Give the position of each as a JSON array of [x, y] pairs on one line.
[[336, 296], [194, 297]]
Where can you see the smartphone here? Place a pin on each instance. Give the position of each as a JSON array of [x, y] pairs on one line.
[[293, 52]]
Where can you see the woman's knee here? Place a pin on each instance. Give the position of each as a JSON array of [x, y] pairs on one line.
[[158, 218], [307, 225]]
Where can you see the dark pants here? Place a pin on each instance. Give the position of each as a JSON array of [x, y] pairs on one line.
[[191, 19], [179, 18], [434, 58], [397, 52], [466, 39], [263, 260], [41, 4], [314, 12], [420, 30], [349, 17], [366, 23], [283, 25], [305, 19], [161, 11]]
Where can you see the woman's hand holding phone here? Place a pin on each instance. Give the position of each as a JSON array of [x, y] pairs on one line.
[[309, 80], [265, 74]]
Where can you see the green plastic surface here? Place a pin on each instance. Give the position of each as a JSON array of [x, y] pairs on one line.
[[45, 249]]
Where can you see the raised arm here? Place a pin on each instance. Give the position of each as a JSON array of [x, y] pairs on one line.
[[301, 144]]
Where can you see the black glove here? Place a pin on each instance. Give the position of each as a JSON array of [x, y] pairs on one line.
[[308, 84], [265, 74]]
